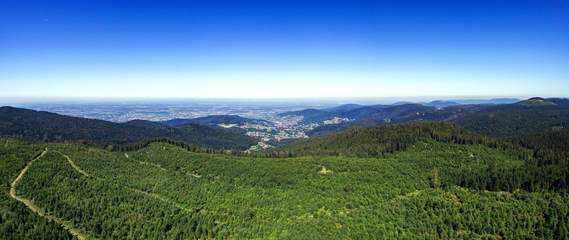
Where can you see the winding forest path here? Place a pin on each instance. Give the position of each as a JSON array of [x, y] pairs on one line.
[[153, 165], [73, 164], [73, 231], [152, 195]]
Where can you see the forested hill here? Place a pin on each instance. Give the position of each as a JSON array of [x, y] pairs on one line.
[[530, 116], [385, 114], [317, 115], [545, 155], [381, 140], [516, 120], [44, 126], [431, 180], [213, 120]]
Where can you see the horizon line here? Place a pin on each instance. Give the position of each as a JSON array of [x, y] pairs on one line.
[[438, 97], [344, 100]]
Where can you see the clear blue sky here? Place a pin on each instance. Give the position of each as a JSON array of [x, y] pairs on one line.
[[269, 49]]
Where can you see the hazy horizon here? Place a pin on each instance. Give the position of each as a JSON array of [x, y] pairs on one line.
[[340, 100]]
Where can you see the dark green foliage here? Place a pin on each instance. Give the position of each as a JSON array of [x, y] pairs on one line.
[[310, 197], [507, 120], [515, 121], [329, 129], [218, 137], [188, 147], [375, 113], [43, 126], [409, 181], [383, 140], [311, 115], [107, 210], [545, 155], [546, 169], [385, 114], [166, 192], [213, 120]]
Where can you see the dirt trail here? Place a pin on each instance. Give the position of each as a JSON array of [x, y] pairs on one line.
[[73, 231], [73, 164], [152, 164], [153, 195], [163, 199]]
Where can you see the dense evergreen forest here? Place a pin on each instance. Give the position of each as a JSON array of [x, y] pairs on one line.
[[166, 192], [16, 221], [545, 155], [213, 120], [428, 180], [516, 122], [382, 140], [547, 168]]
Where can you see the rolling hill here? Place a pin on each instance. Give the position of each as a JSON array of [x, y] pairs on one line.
[[516, 121], [536, 101], [441, 103], [50, 127], [504, 120], [404, 112], [420, 180], [435, 184], [214, 120], [380, 115], [380, 140]]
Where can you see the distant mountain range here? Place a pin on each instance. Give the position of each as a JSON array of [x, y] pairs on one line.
[[537, 101], [526, 117], [493, 101], [376, 113], [529, 116], [441, 104], [361, 112], [45, 126], [546, 112], [448, 103]]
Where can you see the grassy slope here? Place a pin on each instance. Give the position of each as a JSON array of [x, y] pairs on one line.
[[308, 197]]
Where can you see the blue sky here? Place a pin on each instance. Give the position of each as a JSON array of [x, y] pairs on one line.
[[284, 49]]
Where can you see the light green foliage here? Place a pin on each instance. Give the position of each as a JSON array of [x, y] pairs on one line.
[[16, 221], [165, 192]]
